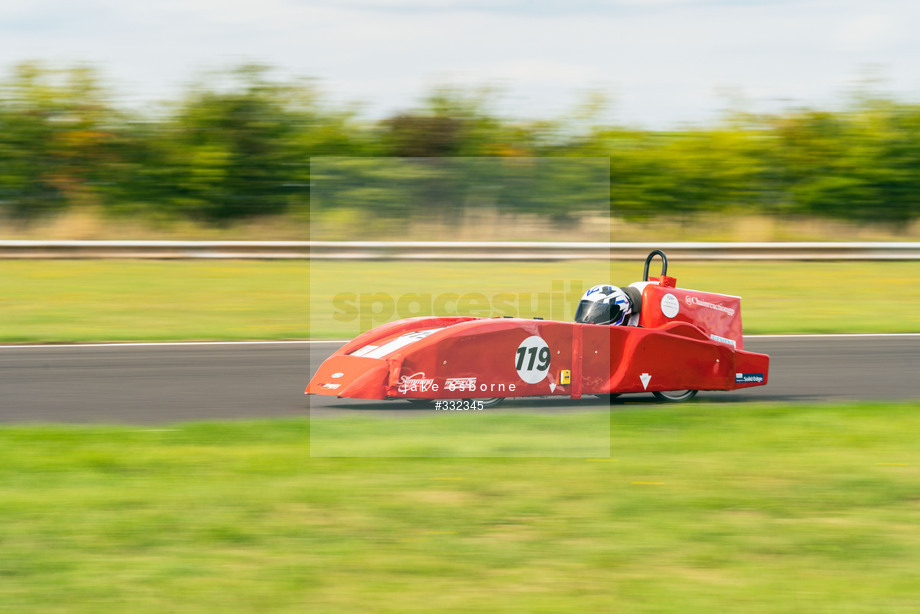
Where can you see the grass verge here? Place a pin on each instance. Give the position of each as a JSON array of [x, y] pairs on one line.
[[73, 301], [701, 508]]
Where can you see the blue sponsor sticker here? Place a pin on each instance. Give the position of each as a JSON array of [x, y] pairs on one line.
[[748, 378]]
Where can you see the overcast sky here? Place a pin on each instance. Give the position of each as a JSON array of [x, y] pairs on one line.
[[661, 62]]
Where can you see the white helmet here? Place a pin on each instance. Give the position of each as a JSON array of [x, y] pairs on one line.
[[604, 304]]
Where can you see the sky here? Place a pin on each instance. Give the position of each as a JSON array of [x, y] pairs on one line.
[[658, 63]]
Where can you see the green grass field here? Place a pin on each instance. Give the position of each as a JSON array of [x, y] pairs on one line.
[[71, 301], [749, 508], [700, 508]]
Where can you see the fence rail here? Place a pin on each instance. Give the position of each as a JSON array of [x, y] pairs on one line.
[[423, 250]]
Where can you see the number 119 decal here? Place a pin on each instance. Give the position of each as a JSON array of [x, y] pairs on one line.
[[532, 359]]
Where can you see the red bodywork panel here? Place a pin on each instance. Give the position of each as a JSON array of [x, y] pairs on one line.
[[686, 340], [717, 315]]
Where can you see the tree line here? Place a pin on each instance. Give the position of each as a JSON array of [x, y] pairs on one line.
[[239, 145]]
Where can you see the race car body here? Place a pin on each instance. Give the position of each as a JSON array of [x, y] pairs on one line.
[[685, 340]]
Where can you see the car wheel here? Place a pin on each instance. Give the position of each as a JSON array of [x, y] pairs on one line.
[[674, 396]]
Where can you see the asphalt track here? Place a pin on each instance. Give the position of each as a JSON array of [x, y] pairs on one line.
[[161, 383]]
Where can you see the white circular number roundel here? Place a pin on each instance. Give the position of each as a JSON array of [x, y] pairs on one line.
[[670, 305], [532, 359]]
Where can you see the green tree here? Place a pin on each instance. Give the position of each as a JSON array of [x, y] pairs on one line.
[[58, 139]]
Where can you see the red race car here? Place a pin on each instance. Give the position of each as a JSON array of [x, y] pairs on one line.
[[649, 337]]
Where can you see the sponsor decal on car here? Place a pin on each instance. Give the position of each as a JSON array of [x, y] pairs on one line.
[[417, 382], [565, 377], [698, 302], [460, 383], [730, 342], [748, 378], [331, 386]]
